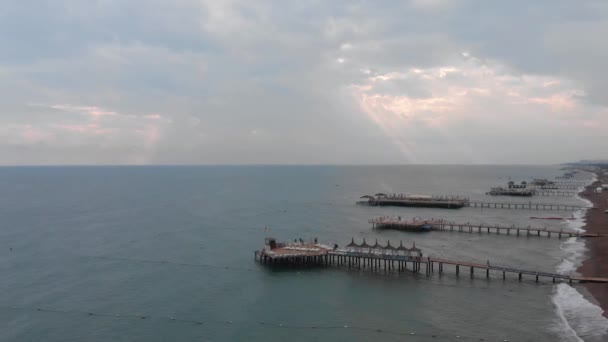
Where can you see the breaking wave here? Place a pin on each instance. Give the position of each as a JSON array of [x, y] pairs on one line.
[[580, 319]]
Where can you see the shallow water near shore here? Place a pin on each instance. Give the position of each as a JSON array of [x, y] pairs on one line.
[[98, 248]]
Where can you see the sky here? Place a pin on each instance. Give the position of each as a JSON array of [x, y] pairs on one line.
[[302, 82]]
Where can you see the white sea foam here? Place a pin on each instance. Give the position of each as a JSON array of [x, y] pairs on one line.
[[588, 203], [574, 251], [581, 320], [579, 220]]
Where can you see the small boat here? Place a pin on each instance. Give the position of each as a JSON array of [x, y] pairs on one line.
[[426, 227], [552, 218]]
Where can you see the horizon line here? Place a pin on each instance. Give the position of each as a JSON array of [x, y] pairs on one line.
[[278, 164]]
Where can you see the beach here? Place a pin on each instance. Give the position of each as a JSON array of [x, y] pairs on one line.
[[596, 221]]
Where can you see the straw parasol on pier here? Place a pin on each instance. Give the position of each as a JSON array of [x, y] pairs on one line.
[[365, 245], [416, 250], [378, 246], [352, 245], [401, 248], [389, 247]]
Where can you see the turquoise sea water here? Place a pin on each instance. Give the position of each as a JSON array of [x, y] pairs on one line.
[[166, 254]]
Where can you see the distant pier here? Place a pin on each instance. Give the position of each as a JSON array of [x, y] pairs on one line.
[[389, 258], [536, 188], [403, 200], [555, 193], [557, 187], [465, 202], [580, 178], [526, 206], [419, 225]]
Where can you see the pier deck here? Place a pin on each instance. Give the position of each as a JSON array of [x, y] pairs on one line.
[[463, 202], [575, 178], [527, 206], [379, 258], [444, 225], [554, 193], [403, 200]]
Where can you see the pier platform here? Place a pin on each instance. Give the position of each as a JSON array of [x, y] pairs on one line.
[[388, 258], [403, 200]]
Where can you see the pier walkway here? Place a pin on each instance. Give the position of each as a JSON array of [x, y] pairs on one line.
[[443, 225], [465, 202], [557, 187], [528, 205], [554, 193], [380, 259], [575, 178]]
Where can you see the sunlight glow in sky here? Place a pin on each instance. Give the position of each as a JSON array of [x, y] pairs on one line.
[[240, 82]]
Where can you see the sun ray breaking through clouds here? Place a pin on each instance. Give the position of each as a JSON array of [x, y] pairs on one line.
[[428, 81]]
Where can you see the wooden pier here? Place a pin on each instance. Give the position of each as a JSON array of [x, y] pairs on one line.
[[443, 225], [519, 192], [527, 206], [391, 259], [460, 202], [555, 193], [575, 178], [403, 200], [556, 187]]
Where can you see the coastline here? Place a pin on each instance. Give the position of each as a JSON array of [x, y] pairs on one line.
[[596, 221]]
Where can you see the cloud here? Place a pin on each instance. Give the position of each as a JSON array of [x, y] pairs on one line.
[[87, 110], [453, 94], [189, 81]]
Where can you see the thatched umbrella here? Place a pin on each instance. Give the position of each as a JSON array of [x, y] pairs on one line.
[[365, 245], [389, 247], [402, 248], [416, 250], [352, 245], [378, 246]]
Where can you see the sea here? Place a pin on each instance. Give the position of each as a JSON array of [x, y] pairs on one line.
[[166, 253]]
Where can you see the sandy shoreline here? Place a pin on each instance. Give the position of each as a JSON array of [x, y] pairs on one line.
[[596, 221]]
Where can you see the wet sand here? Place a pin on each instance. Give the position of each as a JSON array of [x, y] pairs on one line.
[[597, 261]]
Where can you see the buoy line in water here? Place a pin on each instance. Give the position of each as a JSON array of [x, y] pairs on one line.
[[269, 325]]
